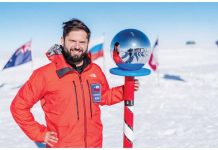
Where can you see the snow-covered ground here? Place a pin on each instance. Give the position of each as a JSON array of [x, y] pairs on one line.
[[168, 113]]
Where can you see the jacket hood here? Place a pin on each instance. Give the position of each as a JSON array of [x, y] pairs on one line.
[[54, 54]]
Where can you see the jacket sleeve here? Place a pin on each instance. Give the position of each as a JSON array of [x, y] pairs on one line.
[[27, 96], [110, 96]]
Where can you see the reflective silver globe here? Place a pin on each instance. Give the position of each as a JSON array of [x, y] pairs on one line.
[[130, 49]]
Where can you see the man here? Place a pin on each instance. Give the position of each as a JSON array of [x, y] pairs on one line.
[[70, 90]]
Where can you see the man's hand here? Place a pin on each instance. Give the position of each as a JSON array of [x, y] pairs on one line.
[[136, 85], [50, 138]]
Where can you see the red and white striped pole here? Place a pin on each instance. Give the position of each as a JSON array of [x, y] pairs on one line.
[[128, 96], [131, 44]]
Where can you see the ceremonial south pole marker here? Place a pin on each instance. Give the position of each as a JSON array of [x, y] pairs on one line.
[[130, 50]]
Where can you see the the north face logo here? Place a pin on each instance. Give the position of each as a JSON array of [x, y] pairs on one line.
[[93, 75]]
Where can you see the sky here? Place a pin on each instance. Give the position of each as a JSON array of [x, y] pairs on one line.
[[172, 23]]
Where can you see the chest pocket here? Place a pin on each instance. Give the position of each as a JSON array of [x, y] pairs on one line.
[[76, 97]]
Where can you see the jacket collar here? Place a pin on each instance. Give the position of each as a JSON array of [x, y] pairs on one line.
[[54, 54]]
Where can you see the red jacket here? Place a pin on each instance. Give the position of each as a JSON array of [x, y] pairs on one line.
[[69, 100], [117, 58]]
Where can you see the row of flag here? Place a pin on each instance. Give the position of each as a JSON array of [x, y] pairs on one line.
[[96, 48], [153, 60], [23, 54]]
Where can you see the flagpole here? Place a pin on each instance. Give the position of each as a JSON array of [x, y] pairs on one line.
[[158, 77], [104, 67], [158, 71], [32, 66], [104, 62], [31, 56]]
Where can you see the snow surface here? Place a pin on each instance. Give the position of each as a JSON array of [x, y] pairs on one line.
[[168, 113]]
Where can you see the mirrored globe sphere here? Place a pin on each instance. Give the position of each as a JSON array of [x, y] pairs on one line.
[[130, 49]]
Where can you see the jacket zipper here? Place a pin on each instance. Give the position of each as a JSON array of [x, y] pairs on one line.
[[77, 108], [84, 104], [89, 97]]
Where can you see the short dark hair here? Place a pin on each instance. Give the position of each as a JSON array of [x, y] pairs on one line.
[[75, 25]]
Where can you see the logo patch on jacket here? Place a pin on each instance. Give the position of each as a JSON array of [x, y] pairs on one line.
[[96, 92]]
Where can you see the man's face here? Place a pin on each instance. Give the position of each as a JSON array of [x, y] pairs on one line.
[[76, 44]]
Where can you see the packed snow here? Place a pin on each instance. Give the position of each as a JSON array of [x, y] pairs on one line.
[[167, 113]]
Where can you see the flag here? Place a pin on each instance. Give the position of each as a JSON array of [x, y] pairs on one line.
[[96, 47], [22, 55], [153, 61]]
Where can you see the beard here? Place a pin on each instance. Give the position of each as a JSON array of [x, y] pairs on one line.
[[73, 59]]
